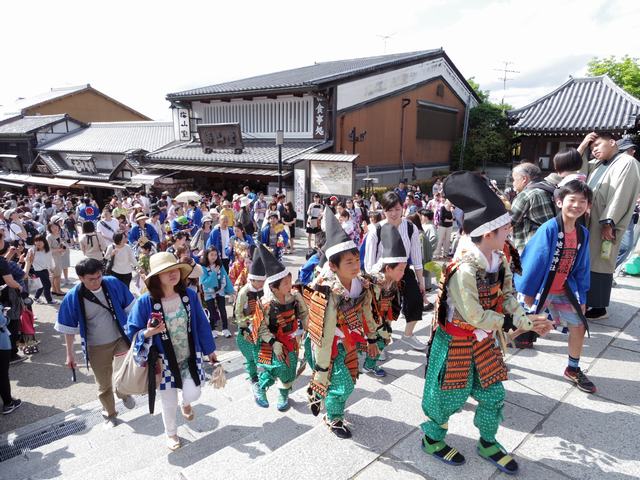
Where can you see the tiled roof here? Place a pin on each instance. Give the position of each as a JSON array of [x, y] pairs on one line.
[[114, 137], [28, 124], [52, 161], [309, 76], [254, 153], [18, 107], [579, 105]]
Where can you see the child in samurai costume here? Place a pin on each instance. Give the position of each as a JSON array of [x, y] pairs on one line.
[[245, 316], [340, 323], [281, 318], [386, 275], [475, 306]]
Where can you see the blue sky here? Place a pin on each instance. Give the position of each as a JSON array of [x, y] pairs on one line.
[[138, 51]]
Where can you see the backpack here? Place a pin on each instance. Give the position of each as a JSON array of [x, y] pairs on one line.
[[545, 187], [31, 230]]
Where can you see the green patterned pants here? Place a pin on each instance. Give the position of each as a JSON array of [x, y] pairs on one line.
[[341, 386], [279, 370], [308, 353], [250, 353], [371, 362], [438, 405]]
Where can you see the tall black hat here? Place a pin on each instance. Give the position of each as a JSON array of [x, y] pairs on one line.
[[337, 239], [256, 271], [274, 270], [483, 210], [393, 250]]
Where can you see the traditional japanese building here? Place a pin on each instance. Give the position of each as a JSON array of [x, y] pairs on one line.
[[387, 117], [82, 102], [562, 118], [100, 157]]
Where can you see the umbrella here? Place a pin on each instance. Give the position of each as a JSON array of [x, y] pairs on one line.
[[185, 197]]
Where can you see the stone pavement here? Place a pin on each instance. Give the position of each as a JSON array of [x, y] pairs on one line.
[[556, 431], [44, 384]]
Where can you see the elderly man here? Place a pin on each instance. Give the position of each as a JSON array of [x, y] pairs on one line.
[[614, 177], [532, 206]]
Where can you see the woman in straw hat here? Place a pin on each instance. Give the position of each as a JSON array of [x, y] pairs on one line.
[[181, 336]]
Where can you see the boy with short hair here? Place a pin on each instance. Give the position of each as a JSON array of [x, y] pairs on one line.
[[561, 246], [475, 306], [245, 315], [340, 323]]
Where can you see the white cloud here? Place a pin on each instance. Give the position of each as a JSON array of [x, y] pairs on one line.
[[138, 51]]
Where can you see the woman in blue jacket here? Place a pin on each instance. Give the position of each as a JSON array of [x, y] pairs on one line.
[[173, 326]]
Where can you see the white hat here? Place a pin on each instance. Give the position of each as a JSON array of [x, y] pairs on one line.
[[245, 201]]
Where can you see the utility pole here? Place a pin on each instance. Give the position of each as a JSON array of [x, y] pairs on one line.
[[505, 77]]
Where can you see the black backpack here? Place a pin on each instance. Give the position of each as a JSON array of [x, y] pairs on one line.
[[31, 230]]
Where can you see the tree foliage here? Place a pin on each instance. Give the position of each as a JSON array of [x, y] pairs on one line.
[[625, 72], [488, 138]]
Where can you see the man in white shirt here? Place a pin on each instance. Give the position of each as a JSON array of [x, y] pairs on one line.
[[107, 226], [413, 291]]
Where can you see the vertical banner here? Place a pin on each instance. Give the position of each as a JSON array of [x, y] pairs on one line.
[[183, 124], [299, 192], [319, 117]]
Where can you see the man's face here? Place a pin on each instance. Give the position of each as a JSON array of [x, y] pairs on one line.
[[273, 220], [394, 215], [519, 181], [224, 221], [604, 149], [92, 281]]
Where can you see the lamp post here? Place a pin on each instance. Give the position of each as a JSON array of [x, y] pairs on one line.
[[279, 142]]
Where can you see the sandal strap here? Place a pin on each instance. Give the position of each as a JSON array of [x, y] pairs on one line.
[[433, 448], [491, 449]]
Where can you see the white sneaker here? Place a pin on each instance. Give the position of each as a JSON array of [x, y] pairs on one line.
[[226, 333], [129, 402], [215, 333], [414, 343], [383, 356]]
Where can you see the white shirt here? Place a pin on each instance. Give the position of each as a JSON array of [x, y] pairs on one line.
[[224, 240], [411, 245], [41, 260], [105, 232], [124, 261]]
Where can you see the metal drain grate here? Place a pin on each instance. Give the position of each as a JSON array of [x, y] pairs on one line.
[[48, 434]]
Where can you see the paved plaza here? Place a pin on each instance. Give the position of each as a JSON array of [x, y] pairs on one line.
[[555, 430]]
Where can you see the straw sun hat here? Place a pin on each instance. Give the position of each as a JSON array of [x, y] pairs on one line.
[[164, 262]]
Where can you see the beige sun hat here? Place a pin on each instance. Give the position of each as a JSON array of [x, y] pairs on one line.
[[164, 262]]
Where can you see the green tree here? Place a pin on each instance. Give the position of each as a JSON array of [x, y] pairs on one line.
[[488, 138], [625, 72]]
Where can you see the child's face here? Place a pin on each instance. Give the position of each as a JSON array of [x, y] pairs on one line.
[[257, 284], [573, 206], [396, 273], [212, 256], [284, 287], [495, 240], [349, 266]]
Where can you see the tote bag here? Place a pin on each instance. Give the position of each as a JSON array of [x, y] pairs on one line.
[[129, 377]]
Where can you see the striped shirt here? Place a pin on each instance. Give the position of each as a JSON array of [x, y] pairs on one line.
[[411, 245]]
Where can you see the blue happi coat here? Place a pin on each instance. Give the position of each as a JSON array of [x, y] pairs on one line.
[[538, 258], [200, 329], [71, 318]]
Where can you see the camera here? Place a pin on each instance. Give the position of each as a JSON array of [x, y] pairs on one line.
[[154, 322]]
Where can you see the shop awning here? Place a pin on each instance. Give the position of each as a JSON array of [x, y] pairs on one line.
[[10, 184], [147, 178], [49, 181], [262, 172], [111, 186]]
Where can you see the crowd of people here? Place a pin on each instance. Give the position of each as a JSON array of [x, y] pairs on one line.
[[165, 276]]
